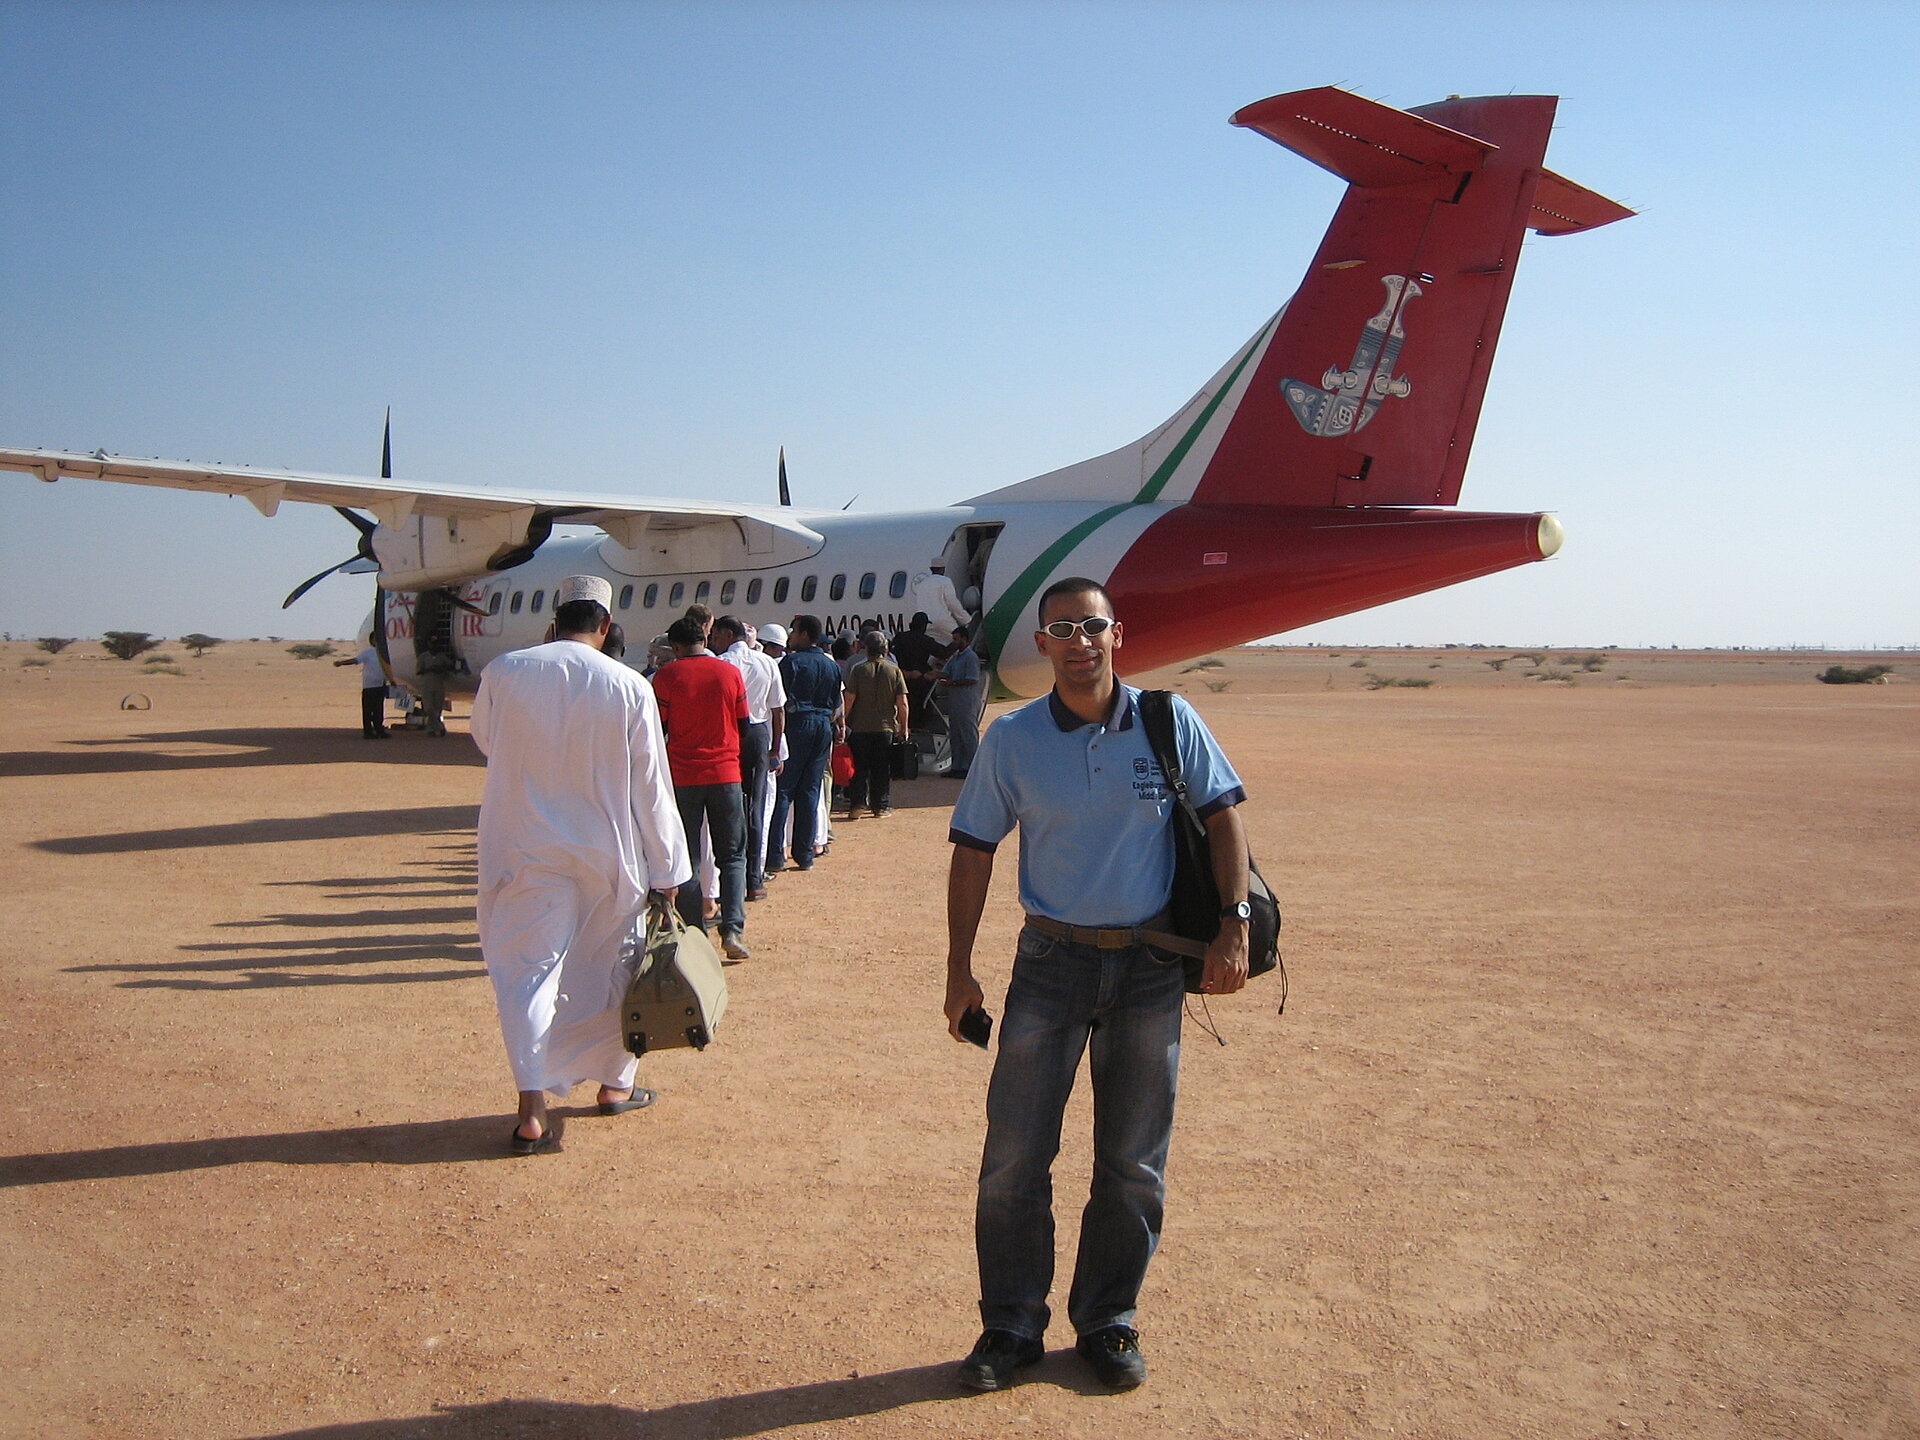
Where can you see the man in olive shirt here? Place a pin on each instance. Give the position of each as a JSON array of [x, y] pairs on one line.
[[876, 713]]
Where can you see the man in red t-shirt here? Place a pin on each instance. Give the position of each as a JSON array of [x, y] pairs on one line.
[[703, 705]]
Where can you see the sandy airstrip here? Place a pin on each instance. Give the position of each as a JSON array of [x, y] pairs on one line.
[[1593, 1110]]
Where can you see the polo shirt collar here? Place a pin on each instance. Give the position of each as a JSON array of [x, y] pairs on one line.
[[1121, 717]]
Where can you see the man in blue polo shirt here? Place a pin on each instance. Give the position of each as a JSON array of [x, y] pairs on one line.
[[1076, 774]]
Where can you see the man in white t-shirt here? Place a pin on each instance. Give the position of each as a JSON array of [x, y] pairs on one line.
[[759, 739], [375, 677]]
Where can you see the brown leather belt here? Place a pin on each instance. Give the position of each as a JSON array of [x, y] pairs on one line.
[[1149, 932]]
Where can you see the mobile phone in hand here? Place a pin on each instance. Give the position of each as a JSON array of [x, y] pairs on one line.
[[976, 1025]]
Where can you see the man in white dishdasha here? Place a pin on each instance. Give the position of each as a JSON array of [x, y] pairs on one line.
[[577, 825]]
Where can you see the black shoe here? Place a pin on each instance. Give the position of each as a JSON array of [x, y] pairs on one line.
[[1115, 1356], [995, 1357]]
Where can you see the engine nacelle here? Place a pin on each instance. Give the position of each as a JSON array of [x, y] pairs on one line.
[[424, 551]]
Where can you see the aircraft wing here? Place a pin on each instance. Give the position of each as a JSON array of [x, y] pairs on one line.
[[494, 520]]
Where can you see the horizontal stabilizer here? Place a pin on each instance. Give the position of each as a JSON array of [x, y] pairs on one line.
[[1362, 141], [1561, 207]]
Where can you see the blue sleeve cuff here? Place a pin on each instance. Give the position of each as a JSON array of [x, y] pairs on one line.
[[972, 842], [1226, 800]]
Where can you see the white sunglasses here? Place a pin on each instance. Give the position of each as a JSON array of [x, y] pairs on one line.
[[1091, 626]]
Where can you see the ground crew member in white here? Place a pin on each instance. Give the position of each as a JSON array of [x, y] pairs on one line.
[[577, 825], [933, 592]]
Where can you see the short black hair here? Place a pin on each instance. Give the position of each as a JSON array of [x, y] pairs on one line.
[[579, 617], [963, 632], [686, 631], [1072, 585], [732, 624], [920, 621], [808, 625], [615, 645]]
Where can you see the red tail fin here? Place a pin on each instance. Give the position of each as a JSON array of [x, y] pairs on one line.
[[1370, 389]]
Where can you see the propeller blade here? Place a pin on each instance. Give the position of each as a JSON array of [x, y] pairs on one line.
[[786, 496], [386, 447], [308, 584], [380, 624]]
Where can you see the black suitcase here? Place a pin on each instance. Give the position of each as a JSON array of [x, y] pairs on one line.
[[903, 760]]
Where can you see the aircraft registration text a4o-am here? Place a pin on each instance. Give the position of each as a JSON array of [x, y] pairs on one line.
[[1313, 476]]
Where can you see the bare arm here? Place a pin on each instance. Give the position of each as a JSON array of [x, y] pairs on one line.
[[777, 719], [967, 880], [1225, 967], [900, 714]]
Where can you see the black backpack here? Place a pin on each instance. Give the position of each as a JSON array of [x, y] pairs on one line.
[[1195, 905]]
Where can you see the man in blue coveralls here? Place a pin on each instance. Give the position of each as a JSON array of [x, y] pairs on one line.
[[1075, 772], [815, 719]]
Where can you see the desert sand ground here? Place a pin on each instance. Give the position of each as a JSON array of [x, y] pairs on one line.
[[1592, 1110]]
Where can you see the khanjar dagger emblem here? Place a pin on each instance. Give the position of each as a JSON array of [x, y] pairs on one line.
[[1350, 396]]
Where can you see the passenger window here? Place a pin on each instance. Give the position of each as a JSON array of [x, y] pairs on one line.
[[626, 597], [726, 592], [838, 588], [753, 592], [539, 599], [701, 591], [649, 596], [809, 587], [518, 596], [780, 591], [897, 586], [493, 605], [677, 593], [867, 582]]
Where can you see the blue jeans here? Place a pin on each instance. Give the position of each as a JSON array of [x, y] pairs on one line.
[[809, 745], [718, 806], [1125, 1007]]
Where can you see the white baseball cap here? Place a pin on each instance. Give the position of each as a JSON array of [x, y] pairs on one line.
[[773, 635], [584, 587]]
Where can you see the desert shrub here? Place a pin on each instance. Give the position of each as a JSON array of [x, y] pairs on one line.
[[1359, 664], [33, 662], [310, 650], [1433, 665], [1391, 682], [1843, 675], [125, 644], [163, 670], [1498, 663], [199, 643], [1588, 663], [1552, 674], [53, 644], [159, 657], [1215, 685], [1211, 662]]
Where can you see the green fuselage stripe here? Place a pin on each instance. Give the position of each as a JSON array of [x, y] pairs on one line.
[[1006, 612]]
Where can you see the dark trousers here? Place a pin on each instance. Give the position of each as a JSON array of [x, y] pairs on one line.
[[754, 742], [809, 743], [373, 710], [718, 807], [872, 783]]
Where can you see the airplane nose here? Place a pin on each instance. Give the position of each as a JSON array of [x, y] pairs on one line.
[[1549, 536]]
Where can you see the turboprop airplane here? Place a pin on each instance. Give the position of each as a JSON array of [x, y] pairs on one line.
[[1313, 476]]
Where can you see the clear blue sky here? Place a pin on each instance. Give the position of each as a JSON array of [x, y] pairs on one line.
[[931, 249]]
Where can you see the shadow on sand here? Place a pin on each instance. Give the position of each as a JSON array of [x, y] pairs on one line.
[[417, 1142], [343, 825], [260, 745], [728, 1417]]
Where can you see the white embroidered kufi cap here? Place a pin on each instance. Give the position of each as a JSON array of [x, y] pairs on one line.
[[584, 587]]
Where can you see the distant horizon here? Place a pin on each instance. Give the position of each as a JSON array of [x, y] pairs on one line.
[[1270, 643]]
